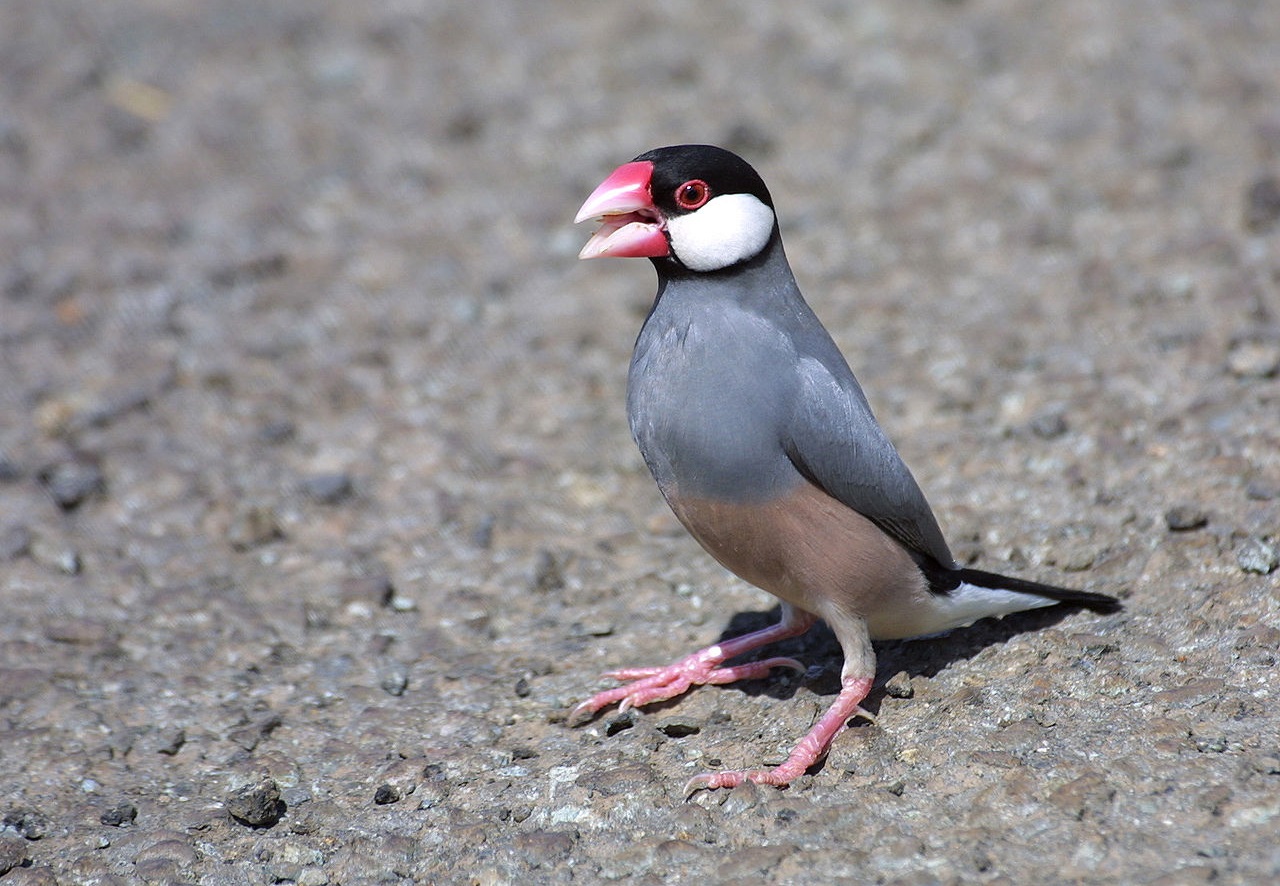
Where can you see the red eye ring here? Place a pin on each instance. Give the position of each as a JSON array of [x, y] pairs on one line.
[[692, 194]]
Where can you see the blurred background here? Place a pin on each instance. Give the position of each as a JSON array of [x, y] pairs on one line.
[[315, 476]]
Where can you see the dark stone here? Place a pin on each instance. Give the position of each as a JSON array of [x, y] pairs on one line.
[[254, 525], [257, 806], [547, 574], [1184, 518], [1049, 425], [13, 854], [386, 794], [9, 472], [1262, 205], [119, 816], [329, 488], [679, 727], [70, 483], [173, 743], [27, 822], [14, 542]]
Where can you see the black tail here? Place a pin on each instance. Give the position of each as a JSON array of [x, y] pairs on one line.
[[1096, 602]]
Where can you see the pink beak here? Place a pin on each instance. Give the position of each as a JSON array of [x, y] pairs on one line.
[[631, 225]]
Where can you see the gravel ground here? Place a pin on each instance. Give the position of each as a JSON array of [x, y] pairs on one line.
[[317, 502]]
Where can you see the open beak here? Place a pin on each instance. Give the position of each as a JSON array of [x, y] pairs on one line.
[[631, 226]]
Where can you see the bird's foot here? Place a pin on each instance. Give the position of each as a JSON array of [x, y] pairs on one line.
[[648, 685], [810, 749]]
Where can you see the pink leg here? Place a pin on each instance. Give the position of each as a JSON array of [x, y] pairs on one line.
[[649, 685], [812, 748]]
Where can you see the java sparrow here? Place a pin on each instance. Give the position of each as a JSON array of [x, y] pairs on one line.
[[764, 446]]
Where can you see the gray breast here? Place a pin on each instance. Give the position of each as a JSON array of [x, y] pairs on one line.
[[710, 389]]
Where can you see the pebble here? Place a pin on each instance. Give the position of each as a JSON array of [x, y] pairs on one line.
[[1258, 556], [9, 471], [1184, 518], [253, 525], [328, 488], [386, 794], [899, 686], [26, 822], [172, 742], [55, 556], [679, 727], [1254, 358], [13, 853], [257, 806], [170, 850], [1049, 425], [119, 816], [70, 483], [248, 737], [78, 632], [547, 574], [374, 590], [395, 679], [1262, 490], [1262, 204], [14, 542], [741, 798]]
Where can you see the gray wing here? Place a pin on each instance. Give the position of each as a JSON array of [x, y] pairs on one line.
[[836, 442]]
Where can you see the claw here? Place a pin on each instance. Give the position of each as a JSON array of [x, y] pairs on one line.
[[809, 751]]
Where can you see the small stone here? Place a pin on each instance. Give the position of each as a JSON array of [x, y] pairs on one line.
[[277, 431], [1258, 556], [329, 488], [55, 556], [678, 727], [1184, 518], [119, 816], [482, 535], [1267, 764], [742, 798], [395, 679], [13, 854], [78, 632], [547, 574], [375, 590], [253, 525], [257, 806], [1262, 490], [249, 736], [1254, 358], [172, 743], [1049, 425], [1262, 205], [386, 794], [899, 686], [14, 542], [9, 470], [70, 483], [620, 722], [26, 822], [401, 603]]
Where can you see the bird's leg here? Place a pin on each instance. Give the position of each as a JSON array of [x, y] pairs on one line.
[[648, 685], [812, 748]]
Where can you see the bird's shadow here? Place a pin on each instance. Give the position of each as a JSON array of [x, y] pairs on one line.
[[918, 657]]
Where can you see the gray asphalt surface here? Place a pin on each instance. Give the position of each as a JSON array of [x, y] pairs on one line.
[[318, 508]]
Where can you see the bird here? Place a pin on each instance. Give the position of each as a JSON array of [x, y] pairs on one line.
[[767, 451]]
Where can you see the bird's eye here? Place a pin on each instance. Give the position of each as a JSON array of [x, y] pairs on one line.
[[692, 194]]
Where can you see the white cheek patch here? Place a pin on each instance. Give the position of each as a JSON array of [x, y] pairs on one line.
[[728, 229]]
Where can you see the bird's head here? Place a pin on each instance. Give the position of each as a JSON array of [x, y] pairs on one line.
[[700, 206]]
